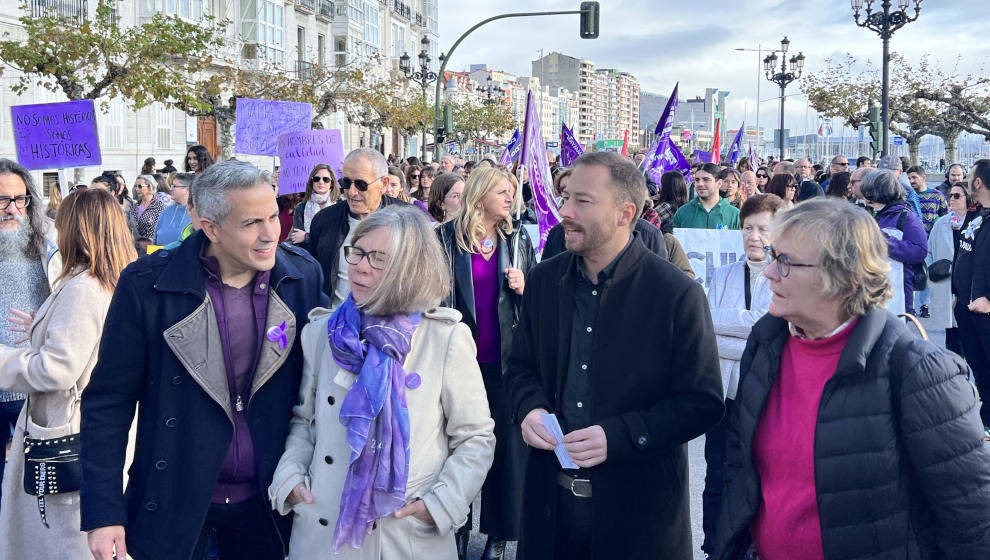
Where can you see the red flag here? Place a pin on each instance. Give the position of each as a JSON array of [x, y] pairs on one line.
[[716, 144], [625, 144], [821, 130]]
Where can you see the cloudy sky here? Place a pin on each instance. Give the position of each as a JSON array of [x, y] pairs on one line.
[[665, 41]]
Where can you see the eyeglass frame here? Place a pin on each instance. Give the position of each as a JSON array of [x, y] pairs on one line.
[[13, 200], [354, 182], [314, 178], [351, 249], [784, 262]]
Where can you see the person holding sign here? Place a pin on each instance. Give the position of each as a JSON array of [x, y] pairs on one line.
[[630, 376], [321, 192], [738, 295]]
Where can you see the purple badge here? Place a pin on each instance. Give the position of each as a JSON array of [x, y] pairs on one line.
[[277, 334], [413, 381]]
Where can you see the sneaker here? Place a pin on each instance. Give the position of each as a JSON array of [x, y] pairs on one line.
[[924, 312]]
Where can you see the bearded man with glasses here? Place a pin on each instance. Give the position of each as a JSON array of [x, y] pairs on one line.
[[364, 178]]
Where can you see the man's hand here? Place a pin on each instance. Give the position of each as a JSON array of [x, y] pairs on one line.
[[533, 432], [107, 543], [417, 509], [300, 494], [587, 446], [980, 305]]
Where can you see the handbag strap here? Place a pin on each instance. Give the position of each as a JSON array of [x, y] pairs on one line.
[[77, 398]]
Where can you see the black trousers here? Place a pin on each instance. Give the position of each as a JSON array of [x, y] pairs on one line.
[[574, 526], [502, 492], [711, 496], [9, 411], [974, 334], [245, 530]]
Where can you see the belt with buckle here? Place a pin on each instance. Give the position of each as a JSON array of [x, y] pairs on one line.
[[580, 487]]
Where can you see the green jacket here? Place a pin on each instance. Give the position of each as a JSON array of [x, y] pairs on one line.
[[693, 215]]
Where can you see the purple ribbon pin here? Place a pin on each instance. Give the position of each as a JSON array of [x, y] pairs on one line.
[[413, 380], [277, 334]]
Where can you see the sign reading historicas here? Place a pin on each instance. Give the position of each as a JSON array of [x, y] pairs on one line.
[[300, 152], [259, 123], [56, 135]]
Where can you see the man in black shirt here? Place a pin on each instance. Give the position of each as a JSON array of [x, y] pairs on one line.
[[631, 375]]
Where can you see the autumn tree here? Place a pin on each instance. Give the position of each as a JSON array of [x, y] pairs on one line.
[[474, 120]]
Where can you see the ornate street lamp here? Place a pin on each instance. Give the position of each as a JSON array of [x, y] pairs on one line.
[[790, 70], [884, 22], [423, 76], [492, 92]]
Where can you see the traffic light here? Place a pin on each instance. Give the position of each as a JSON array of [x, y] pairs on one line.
[[448, 119], [876, 131], [589, 20]]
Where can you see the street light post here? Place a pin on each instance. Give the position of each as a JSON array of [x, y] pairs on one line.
[[790, 70], [423, 77], [884, 23]]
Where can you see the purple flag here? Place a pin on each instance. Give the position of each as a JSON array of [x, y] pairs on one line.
[[671, 159], [662, 131], [736, 146], [704, 156], [534, 159], [753, 160], [511, 152], [569, 147]]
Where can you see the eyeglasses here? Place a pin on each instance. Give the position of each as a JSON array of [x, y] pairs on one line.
[[20, 202], [846, 164], [346, 182], [377, 259], [762, 176], [324, 179], [784, 262], [414, 176], [955, 195]]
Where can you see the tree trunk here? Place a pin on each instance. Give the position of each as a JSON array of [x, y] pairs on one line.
[[226, 127], [914, 150], [950, 146]]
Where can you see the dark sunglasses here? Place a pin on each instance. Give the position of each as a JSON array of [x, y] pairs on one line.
[[955, 195], [346, 182], [762, 176], [324, 179], [414, 176]]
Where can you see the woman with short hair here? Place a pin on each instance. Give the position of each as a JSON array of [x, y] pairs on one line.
[[391, 439], [481, 244], [851, 437], [445, 197], [95, 245], [148, 206], [907, 241], [321, 192]]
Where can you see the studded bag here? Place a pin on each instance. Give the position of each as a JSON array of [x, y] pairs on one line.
[[51, 466]]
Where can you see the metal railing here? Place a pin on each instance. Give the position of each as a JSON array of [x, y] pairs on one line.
[[69, 10], [402, 9], [304, 69], [308, 4], [325, 8]]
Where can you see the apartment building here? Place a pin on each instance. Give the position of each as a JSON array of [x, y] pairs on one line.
[[295, 35]]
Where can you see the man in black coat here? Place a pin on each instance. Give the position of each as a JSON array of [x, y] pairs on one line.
[[630, 376], [202, 339], [363, 180]]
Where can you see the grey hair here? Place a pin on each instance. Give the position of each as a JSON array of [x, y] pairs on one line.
[[150, 179], [378, 163], [415, 278], [892, 163], [625, 180], [881, 186], [39, 222], [209, 189]]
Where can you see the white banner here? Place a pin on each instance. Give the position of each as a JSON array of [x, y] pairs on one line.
[[708, 249]]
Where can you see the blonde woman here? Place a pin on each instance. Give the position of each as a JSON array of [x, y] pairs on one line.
[[95, 245], [481, 243], [391, 438]]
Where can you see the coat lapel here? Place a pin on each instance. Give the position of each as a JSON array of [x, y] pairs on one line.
[[195, 341], [272, 354], [464, 280]]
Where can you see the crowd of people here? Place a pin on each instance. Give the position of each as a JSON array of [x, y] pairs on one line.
[[198, 367]]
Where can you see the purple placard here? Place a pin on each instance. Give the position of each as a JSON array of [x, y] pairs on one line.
[[56, 135], [259, 123], [300, 152]]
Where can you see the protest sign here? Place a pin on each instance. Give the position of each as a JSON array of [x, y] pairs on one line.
[[300, 152], [259, 123], [56, 135], [709, 249]]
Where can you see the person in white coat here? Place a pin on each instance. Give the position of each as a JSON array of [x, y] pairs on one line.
[[392, 437], [738, 296], [943, 241]]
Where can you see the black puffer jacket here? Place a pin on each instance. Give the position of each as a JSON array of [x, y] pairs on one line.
[[901, 468]]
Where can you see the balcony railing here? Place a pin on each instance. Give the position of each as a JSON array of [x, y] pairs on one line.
[[402, 9], [68, 10], [325, 9], [307, 4], [304, 69]]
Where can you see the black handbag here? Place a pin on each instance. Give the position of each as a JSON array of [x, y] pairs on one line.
[[940, 270], [51, 466]]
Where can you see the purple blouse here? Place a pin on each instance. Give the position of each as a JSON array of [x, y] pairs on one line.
[[486, 281]]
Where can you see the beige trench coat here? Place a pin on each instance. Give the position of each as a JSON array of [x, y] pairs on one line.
[[53, 371], [451, 445]]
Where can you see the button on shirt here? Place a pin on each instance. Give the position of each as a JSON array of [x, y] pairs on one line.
[[575, 404]]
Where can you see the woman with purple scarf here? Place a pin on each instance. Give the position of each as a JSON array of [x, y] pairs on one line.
[[392, 438]]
